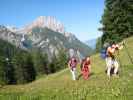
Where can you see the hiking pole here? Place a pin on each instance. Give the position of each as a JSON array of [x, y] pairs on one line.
[[128, 53], [119, 58], [120, 62]]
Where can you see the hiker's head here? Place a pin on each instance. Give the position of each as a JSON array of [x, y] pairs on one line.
[[113, 46], [73, 59], [112, 42], [88, 58]]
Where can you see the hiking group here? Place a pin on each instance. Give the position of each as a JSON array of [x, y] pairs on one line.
[[109, 53], [85, 67]]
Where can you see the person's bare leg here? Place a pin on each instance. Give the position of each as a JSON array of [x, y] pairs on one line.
[[116, 67]]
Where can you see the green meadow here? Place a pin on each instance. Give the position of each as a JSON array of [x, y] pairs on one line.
[[60, 86]]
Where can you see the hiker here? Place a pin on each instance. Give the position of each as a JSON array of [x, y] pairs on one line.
[[72, 66], [86, 68], [81, 65], [111, 62]]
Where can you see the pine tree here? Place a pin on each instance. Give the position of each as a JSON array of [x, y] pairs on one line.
[[45, 63], [24, 69], [58, 62], [6, 66], [52, 67], [9, 72], [19, 70], [98, 45], [62, 59], [16, 65], [40, 62], [29, 70], [117, 20], [3, 80]]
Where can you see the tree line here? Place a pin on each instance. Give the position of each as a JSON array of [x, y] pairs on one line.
[[19, 67]]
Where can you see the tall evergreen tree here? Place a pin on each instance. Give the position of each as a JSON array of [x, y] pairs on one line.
[[98, 45], [16, 65], [29, 70], [2, 71], [40, 62], [6, 71], [9, 72], [52, 67], [24, 69], [6, 67], [58, 62], [62, 59], [19, 68], [117, 20]]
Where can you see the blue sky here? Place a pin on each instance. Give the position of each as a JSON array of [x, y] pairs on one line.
[[80, 17]]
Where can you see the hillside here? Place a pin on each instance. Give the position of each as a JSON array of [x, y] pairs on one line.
[[48, 40], [59, 86], [8, 50], [56, 40], [91, 43]]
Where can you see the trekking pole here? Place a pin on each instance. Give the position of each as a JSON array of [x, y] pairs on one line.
[[119, 58], [131, 60]]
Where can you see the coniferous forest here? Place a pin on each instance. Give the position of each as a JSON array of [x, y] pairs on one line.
[[18, 66]]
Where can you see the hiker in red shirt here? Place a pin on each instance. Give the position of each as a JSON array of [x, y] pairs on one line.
[[86, 68]]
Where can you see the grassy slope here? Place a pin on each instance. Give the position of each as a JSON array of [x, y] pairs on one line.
[[59, 86]]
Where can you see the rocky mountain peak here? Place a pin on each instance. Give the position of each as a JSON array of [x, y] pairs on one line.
[[44, 21]]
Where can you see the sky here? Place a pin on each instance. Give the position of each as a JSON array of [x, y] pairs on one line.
[[80, 17]]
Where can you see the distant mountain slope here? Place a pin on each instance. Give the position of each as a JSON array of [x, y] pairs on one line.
[[54, 40], [91, 43], [7, 49], [47, 40], [9, 36]]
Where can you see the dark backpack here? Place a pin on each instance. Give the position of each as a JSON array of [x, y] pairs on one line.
[[73, 63], [103, 52]]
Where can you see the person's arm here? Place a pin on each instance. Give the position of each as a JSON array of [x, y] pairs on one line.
[[120, 47], [89, 64], [69, 65], [89, 67], [83, 65]]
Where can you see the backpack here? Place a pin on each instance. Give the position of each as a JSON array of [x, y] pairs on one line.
[[103, 53], [73, 63], [81, 65]]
